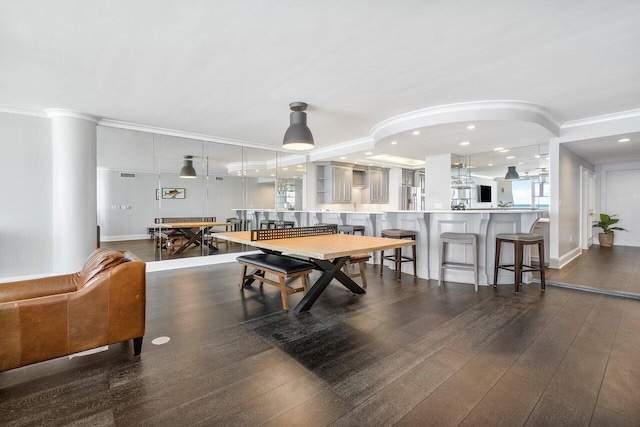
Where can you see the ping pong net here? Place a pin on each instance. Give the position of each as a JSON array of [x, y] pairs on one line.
[[287, 233]]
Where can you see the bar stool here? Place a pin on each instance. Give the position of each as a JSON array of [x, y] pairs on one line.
[[464, 239], [397, 256], [351, 229], [285, 224], [519, 240], [238, 224], [268, 223]]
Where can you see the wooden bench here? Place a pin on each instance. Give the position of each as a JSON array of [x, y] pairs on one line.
[[359, 259], [281, 266]]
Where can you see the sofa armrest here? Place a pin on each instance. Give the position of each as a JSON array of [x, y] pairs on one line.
[[127, 301], [45, 286]]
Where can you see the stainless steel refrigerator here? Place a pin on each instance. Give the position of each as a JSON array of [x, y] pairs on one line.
[[410, 198]]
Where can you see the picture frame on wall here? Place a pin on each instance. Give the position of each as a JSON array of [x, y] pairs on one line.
[[173, 193]]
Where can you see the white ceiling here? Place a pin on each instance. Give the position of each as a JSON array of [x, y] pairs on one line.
[[230, 69]]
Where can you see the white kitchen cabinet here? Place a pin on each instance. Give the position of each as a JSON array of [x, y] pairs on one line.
[[333, 183], [378, 180]]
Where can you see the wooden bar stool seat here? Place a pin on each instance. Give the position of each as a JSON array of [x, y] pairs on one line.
[[397, 256], [463, 239], [519, 241]]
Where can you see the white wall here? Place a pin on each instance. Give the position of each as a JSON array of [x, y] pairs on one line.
[[565, 210], [618, 192], [438, 182], [26, 205]]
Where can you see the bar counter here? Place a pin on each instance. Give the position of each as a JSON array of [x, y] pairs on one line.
[[428, 225]]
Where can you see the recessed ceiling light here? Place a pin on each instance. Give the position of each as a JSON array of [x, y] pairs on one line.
[[471, 127], [285, 169], [465, 143], [257, 170], [394, 142], [505, 151], [498, 149], [299, 166], [521, 163], [295, 177], [416, 132], [343, 158], [511, 157], [370, 164], [490, 164], [273, 174], [355, 163], [368, 153], [624, 140]]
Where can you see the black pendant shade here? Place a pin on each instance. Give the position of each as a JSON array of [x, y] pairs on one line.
[[512, 174], [298, 136], [187, 170]]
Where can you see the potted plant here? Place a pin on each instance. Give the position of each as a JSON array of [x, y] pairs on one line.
[[606, 222]]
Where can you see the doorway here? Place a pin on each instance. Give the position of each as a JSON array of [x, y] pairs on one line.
[[588, 207]]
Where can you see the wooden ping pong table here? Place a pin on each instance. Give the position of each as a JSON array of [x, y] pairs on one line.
[[328, 253], [186, 229]]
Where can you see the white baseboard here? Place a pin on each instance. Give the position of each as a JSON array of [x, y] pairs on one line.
[[565, 259]]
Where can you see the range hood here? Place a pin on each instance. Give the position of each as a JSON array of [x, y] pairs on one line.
[[358, 178]]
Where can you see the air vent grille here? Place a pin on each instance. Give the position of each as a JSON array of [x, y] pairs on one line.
[[127, 175]]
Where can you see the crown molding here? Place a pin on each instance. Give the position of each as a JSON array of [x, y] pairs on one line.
[[187, 135], [22, 111], [468, 111], [602, 119], [61, 112]]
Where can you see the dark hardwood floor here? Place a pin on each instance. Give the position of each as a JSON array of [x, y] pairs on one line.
[[406, 353], [609, 269]]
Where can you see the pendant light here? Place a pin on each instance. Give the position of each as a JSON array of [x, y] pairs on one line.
[[187, 170], [512, 174], [298, 136]]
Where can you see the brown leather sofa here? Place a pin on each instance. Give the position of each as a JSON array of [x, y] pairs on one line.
[[45, 318]]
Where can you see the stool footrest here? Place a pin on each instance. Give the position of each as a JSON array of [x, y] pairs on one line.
[[403, 258], [462, 265]]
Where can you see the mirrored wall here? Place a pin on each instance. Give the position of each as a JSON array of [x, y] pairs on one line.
[[165, 197], [505, 178]]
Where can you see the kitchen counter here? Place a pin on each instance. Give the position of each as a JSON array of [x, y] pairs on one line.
[[428, 225]]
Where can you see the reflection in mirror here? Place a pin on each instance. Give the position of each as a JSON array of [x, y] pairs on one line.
[[181, 198], [127, 181], [260, 175], [532, 165], [462, 183], [290, 182]]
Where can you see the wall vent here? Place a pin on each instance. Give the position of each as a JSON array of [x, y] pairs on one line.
[[127, 175], [219, 178]]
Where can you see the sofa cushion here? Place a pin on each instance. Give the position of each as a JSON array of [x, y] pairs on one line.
[[99, 261]]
